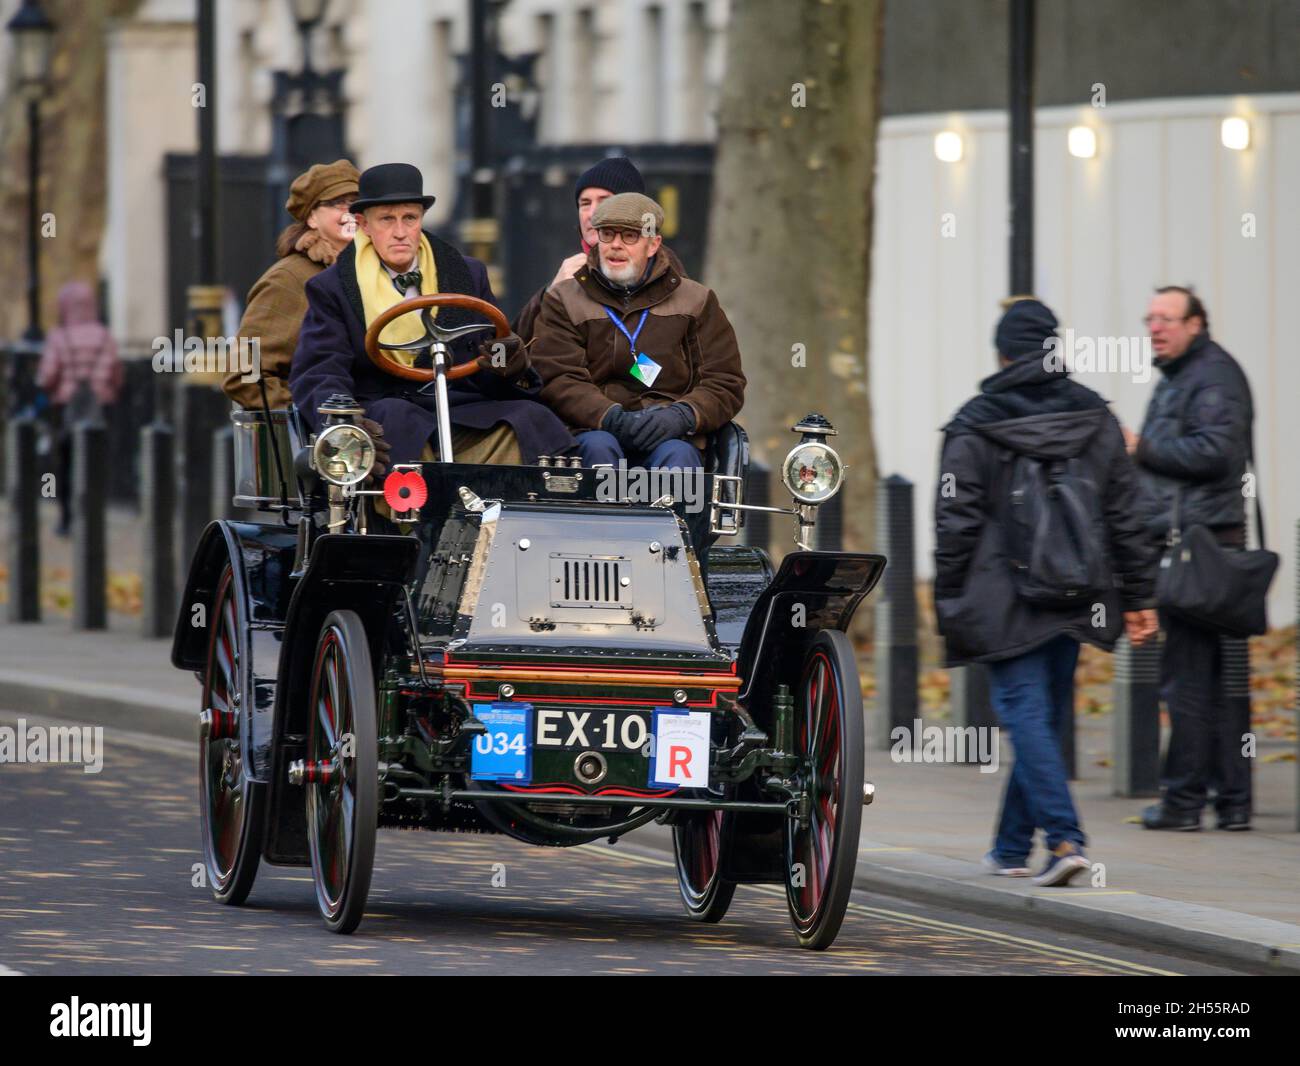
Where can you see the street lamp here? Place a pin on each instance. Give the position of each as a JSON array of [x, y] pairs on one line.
[[307, 14], [33, 36]]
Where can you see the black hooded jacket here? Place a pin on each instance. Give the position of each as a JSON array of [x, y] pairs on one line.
[[1196, 436], [1026, 409]]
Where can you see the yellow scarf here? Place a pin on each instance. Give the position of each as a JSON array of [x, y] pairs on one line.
[[378, 293]]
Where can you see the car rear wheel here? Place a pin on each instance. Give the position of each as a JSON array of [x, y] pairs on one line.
[[821, 851], [343, 797], [698, 842], [231, 806]]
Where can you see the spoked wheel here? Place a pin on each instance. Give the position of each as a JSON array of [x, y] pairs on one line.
[[822, 851], [343, 789], [698, 842], [231, 805]]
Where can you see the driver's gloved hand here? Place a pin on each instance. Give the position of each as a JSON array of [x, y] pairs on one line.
[[506, 357], [660, 424], [383, 450]]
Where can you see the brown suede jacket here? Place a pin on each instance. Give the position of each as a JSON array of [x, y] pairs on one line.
[[584, 360], [277, 303]]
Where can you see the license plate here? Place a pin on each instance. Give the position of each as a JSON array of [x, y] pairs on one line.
[[565, 730], [505, 752]]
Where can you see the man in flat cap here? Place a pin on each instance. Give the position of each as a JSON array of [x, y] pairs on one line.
[[494, 418], [638, 360]]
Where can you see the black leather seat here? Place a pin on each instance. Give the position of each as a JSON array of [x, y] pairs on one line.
[[727, 451]]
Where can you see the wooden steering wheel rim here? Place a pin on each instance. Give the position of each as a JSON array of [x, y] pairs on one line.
[[389, 365]]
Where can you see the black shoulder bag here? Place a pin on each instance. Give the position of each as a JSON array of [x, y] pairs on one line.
[[1222, 589]]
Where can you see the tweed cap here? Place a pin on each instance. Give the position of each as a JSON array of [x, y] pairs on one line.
[[628, 210], [321, 182]]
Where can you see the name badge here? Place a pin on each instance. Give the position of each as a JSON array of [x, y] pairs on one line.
[[645, 369]]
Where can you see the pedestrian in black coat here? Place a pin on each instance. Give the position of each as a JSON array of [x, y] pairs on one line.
[[1194, 445], [1031, 408]]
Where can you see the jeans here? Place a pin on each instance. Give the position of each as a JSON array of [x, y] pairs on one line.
[[597, 446], [1031, 695], [1208, 713]]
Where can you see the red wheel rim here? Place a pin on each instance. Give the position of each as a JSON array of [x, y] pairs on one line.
[[700, 843], [811, 849], [224, 796], [331, 807]]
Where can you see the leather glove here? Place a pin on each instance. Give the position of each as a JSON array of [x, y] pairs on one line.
[[660, 424], [506, 357], [383, 450], [619, 423]]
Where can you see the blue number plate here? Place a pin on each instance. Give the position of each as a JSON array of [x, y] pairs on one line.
[[505, 752]]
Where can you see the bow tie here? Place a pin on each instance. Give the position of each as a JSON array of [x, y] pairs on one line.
[[405, 281]]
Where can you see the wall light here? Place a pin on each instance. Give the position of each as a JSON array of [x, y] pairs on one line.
[[1082, 141], [1235, 133], [947, 146]]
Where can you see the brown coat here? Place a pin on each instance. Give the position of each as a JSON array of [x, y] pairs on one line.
[[584, 360], [277, 303]]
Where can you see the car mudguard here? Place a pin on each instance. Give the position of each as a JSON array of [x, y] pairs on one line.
[[261, 561], [812, 591], [365, 574]]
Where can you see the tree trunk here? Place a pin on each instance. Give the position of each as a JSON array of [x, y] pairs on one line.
[[790, 228]]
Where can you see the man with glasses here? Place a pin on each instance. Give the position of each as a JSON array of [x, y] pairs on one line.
[[1195, 443], [637, 359]]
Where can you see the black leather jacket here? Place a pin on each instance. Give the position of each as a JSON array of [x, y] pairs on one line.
[[1196, 435]]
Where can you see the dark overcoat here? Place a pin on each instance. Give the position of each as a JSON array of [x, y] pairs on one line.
[[331, 358]]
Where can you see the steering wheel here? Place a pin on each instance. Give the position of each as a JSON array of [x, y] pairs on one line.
[[433, 334]]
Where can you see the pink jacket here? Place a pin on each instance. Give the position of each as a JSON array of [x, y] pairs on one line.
[[79, 349]]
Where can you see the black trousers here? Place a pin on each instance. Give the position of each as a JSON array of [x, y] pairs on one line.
[[1205, 682]]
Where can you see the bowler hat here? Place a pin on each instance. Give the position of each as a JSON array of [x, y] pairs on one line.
[[391, 183]]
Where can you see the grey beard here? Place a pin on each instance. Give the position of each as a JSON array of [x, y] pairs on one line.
[[624, 276]]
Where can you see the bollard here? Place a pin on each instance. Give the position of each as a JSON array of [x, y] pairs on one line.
[[1135, 723], [1234, 660], [897, 659], [223, 472], [758, 491], [89, 498], [157, 507], [1297, 691], [830, 524], [24, 522], [199, 410], [971, 706]]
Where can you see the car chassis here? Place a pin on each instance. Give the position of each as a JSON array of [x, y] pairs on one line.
[[511, 650]]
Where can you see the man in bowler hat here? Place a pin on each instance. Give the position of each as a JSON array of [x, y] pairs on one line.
[[494, 417]]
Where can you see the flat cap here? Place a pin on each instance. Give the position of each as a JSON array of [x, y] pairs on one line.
[[321, 182], [629, 210]]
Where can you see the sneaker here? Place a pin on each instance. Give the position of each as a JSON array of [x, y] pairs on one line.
[[1236, 820], [1158, 816], [1065, 861], [1004, 869]]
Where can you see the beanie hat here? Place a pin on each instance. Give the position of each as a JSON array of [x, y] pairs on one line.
[[617, 174], [1023, 329]]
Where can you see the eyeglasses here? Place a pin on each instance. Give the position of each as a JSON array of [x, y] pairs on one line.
[[340, 204], [1163, 320], [631, 237]]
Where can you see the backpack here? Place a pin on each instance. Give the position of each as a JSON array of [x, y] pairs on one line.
[[1055, 532]]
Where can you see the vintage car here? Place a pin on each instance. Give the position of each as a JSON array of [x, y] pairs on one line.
[[521, 650]]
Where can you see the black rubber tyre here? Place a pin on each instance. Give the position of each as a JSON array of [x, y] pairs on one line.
[[232, 808], [343, 813], [828, 734], [698, 842]]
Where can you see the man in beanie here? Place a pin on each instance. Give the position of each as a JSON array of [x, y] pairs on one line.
[[1037, 451], [322, 227], [598, 183], [494, 418], [638, 360]]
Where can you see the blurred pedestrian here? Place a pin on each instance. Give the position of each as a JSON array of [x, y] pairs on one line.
[[322, 226], [82, 374], [596, 184], [1193, 449], [1039, 544]]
